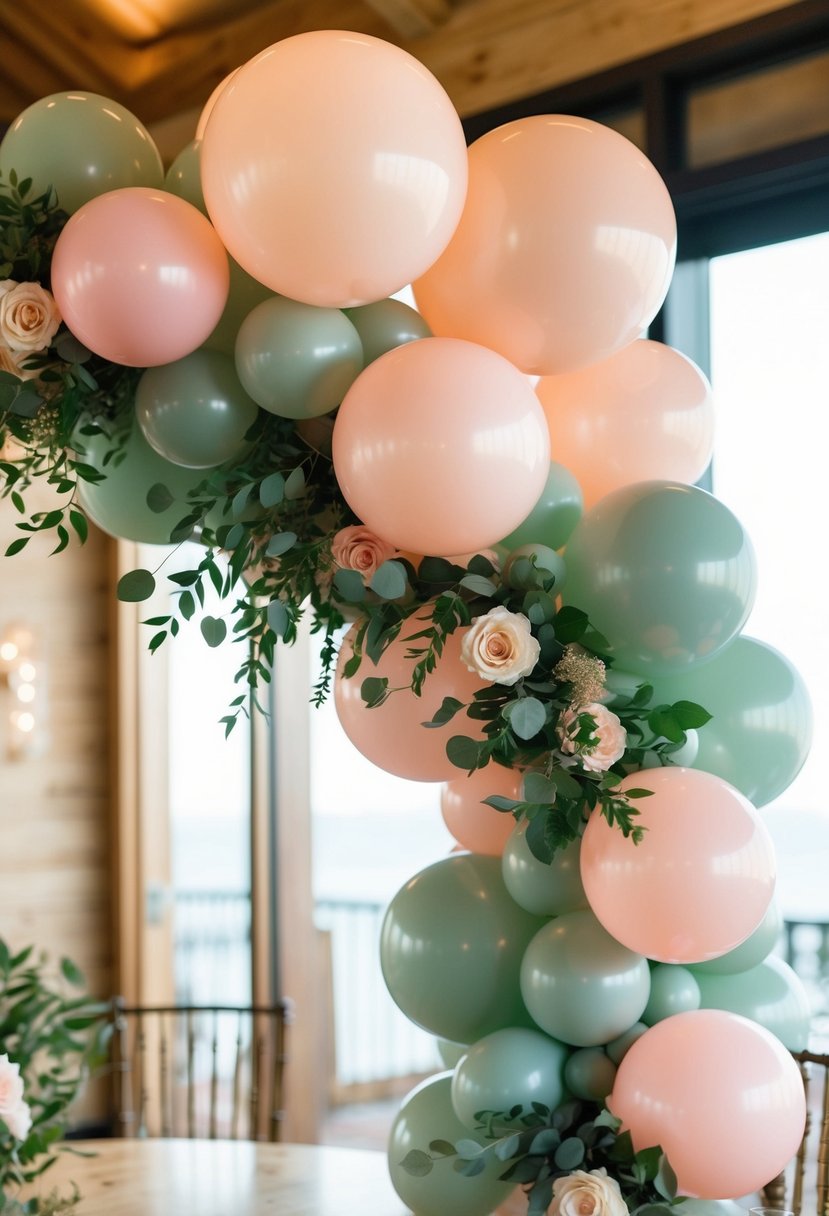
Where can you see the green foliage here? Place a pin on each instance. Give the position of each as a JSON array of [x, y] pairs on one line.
[[58, 1035], [543, 1145]]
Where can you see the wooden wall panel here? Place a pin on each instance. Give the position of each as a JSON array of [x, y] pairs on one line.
[[55, 807]]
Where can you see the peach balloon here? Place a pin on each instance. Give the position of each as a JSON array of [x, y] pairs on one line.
[[441, 447], [565, 248], [392, 735], [720, 1094], [207, 109], [334, 168], [645, 413], [140, 276], [698, 884], [476, 826]]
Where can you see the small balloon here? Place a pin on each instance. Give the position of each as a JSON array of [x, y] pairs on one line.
[[244, 295], [750, 953], [510, 1067], [450, 1053], [441, 447], [545, 890], [589, 1074], [665, 572], [579, 984], [82, 145], [112, 279], [474, 824], [554, 516], [618, 1048], [451, 946], [297, 361], [183, 178], [195, 412], [720, 1094], [359, 192], [386, 324], [522, 565], [673, 990], [644, 413], [771, 994], [700, 880], [425, 1115]]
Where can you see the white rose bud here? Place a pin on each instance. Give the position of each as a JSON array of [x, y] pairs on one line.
[[583, 1194], [500, 646], [29, 317]]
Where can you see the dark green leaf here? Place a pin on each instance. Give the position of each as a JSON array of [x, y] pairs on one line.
[[499, 803], [295, 484], [417, 1163], [135, 586], [441, 1148], [72, 973], [186, 605], [479, 585], [526, 716], [374, 690], [349, 586], [390, 581], [689, 715], [214, 631], [159, 498], [463, 752], [272, 490], [280, 543], [17, 546], [665, 1182], [278, 617], [538, 788], [79, 523], [570, 1153], [570, 623], [449, 706], [547, 1139]]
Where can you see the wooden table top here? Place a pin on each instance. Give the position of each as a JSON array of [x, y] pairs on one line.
[[224, 1178]]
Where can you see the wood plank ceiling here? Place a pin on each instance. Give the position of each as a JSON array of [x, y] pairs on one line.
[[162, 58]]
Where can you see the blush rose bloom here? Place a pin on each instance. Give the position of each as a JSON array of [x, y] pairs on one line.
[[610, 737], [583, 1194], [500, 647], [358, 548], [13, 1110], [29, 317], [11, 361]]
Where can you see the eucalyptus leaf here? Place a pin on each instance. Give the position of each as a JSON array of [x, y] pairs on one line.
[[213, 630], [280, 543], [389, 580], [135, 586], [417, 1163], [272, 490], [159, 498], [526, 717], [570, 1153], [278, 617], [349, 586]]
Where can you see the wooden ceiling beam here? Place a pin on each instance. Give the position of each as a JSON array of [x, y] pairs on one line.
[[413, 18]]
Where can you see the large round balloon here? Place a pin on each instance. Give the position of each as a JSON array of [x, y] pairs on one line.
[[392, 735], [698, 883], [475, 825], [510, 1067], [426, 1115], [295, 360], [358, 192], [579, 984], [140, 276], [118, 504], [720, 1094], [441, 447], [554, 516], [761, 727], [546, 890], [770, 993], [386, 324], [645, 412], [194, 411], [565, 248], [82, 145], [451, 948], [665, 572]]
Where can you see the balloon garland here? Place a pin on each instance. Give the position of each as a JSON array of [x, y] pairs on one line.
[[497, 490]]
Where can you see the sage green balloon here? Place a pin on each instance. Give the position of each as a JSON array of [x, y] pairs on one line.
[[451, 947], [752, 951], [761, 730], [544, 890], [665, 572], [244, 295], [579, 984], [450, 1053], [82, 145], [770, 994], [194, 412], [521, 567], [425, 1115], [589, 1073], [386, 324], [296, 360], [511, 1067], [554, 516], [674, 989], [118, 504], [183, 178], [618, 1048], [712, 1207]]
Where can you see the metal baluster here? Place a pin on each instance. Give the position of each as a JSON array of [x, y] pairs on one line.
[[800, 1160], [256, 1051], [164, 1078], [237, 1081], [823, 1152], [141, 1056], [214, 1075], [122, 1065], [191, 1077], [279, 1026]]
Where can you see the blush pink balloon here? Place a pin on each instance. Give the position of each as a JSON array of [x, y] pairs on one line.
[[392, 735], [207, 109], [565, 248], [720, 1094], [441, 447], [698, 884], [140, 276], [644, 414], [334, 168], [476, 826]]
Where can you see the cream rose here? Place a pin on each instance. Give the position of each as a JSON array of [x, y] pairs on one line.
[[358, 548], [500, 647], [29, 317], [13, 1110], [609, 737], [583, 1194], [11, 360]]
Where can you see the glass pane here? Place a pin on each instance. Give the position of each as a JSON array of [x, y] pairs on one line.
[[628, 122]]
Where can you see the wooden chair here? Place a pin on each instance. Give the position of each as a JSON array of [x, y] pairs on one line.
[[808, 1175], [199, 1071]]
